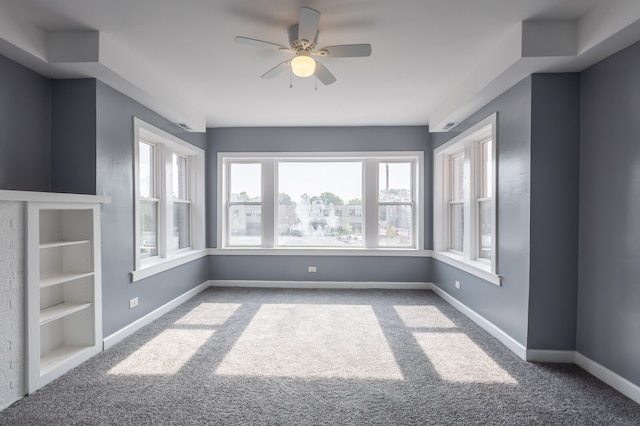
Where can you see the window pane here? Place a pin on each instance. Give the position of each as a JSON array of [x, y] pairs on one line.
[[394, 182], [148, 229], [245, 225], [180, 177], [181, 225], [457, 177], [320, 204], [146, 170], [486, 171], [246, 182], [456, 226], [484, 229], [395, 225]]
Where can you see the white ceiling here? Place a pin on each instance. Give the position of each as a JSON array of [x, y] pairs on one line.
[[433, 61]]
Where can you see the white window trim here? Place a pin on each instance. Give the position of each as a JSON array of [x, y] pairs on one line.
[[369, 183], [167, 144], [467, 261]]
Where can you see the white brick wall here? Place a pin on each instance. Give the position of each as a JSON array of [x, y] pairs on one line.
[[12, 303]]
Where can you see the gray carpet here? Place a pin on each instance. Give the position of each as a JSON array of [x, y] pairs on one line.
[[319, 357]]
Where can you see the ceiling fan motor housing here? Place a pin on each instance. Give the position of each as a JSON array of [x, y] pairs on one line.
[[297, 44]]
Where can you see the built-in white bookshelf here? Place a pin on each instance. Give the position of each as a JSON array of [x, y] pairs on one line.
[[64, 308]]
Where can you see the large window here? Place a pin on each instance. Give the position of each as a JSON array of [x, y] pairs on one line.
[[320, 200], [464, 200], [169, 196]]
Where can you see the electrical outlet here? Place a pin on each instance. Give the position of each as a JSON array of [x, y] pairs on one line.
[[133, 303], [458, 285], [312, 269]]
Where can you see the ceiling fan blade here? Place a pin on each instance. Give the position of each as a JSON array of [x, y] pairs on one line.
[[323, 74], [308, 26], [276, 70], [259, 43], [345, 51]]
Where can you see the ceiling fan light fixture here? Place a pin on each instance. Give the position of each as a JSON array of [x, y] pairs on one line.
[[303, 66]]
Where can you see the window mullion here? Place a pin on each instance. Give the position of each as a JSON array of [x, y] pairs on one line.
[[370, 203], [166, 201], [268, 203], [470, 206], [226, 222]]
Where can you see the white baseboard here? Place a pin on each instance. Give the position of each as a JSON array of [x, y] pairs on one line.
[[515, 346], [558, 357], [614, 380], [609, 377], [322, 284], [119, 335]]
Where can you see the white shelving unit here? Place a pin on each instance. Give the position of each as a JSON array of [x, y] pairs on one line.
[[64, 307]]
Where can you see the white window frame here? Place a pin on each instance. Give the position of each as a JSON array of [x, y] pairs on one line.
[[466, 142], [370, 160], [230, 205], [411, 203], [184, 201], [165, 145]]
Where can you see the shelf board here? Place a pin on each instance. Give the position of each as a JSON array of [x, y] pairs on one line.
[[58, 356], [62, 278], [54, 244], [61, 310]]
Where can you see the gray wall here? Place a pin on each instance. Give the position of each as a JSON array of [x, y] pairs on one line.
[[609, 271], [25, 131], [73, 131], [555, 145], [504, 306], [114, 148], [110, 172], [538, 145], [311, 139]]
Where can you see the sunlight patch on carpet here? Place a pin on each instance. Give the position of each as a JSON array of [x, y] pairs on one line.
[[423, 317], [209, 314], [456, 358], [163, 355], [312, 341]]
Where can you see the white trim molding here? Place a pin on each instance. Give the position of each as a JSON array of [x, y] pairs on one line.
[[164, 264], [467, 145], [323, 284], [558, 357], [611, 378], [515, 346], [128, 330], [164, 145], [52, 197], [471, 267], [286, 251], [601, 372]]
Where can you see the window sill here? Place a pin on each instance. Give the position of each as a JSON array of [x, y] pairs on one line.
[[479, 269], [160, 265], [297, 251]]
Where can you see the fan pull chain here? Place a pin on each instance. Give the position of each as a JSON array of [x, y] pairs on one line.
[[316, 84], [290, 79]]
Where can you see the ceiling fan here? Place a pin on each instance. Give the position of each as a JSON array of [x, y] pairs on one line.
[[303, 39]]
